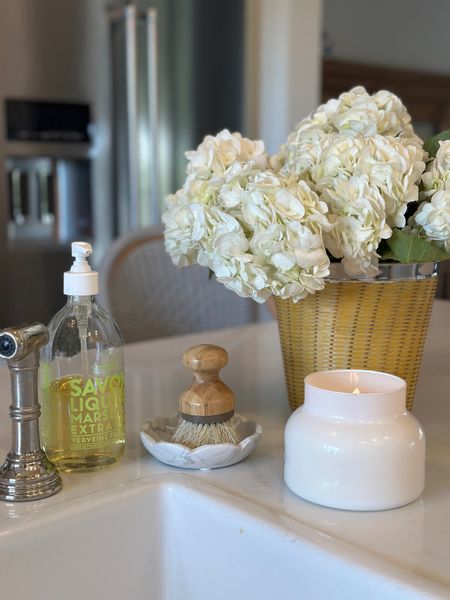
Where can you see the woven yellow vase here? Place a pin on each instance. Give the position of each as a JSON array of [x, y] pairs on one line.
[[378, 324]]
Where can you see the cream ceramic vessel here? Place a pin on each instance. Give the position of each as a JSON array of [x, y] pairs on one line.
[[353, 445]]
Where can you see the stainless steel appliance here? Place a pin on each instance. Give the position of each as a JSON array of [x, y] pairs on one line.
[[49, 196]]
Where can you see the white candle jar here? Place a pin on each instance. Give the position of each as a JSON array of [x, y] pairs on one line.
[[353, 445]]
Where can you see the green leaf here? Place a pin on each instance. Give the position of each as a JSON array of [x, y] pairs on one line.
[[432, 145], [410, 247]]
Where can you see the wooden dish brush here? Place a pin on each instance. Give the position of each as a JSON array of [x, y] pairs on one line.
[[207, 407]]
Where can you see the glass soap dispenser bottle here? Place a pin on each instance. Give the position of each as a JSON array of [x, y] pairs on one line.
[[82, 377]]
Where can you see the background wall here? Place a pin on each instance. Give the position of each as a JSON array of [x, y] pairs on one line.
[[283, 66], [403, 33]]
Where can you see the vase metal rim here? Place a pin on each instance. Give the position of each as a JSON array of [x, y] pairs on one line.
[[387, 272]]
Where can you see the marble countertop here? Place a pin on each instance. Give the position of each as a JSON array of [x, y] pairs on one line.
[[409, 544]]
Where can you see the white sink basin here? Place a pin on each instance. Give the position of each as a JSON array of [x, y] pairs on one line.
[[157, 540]]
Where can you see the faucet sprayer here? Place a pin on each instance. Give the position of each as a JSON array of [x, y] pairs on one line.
[[26, 474]]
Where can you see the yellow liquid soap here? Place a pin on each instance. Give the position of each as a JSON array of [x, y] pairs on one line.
[[83, 421]]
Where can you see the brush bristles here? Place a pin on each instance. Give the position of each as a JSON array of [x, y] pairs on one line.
[[194, 435]]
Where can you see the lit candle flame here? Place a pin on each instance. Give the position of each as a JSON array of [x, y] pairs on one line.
[[354, 382]]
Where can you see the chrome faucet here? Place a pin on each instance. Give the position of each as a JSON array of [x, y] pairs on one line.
[[26, 474]]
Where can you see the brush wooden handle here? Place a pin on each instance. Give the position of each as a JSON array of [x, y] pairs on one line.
[[208, 400]]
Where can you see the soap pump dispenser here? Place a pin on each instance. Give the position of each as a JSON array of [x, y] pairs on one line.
[[82, 378]]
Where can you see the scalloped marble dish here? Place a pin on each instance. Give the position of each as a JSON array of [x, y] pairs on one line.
[[157, 433]]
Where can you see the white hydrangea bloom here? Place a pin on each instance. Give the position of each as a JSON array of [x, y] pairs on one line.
[[437, 175], [395, 168], [443, 156], [215, 161], [216, 153], [357, 112], [301, 152], [393, 118], [184, 227], [389, 164], [434, 217], [354, 114], [266, 205], [338, 160], [260, 233], [357, 211], [365, 146]]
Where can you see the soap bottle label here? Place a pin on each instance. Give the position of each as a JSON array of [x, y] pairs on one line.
[[83, 416], [95, 411]]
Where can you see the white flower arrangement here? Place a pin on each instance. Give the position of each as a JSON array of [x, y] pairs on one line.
[[345, 186]]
